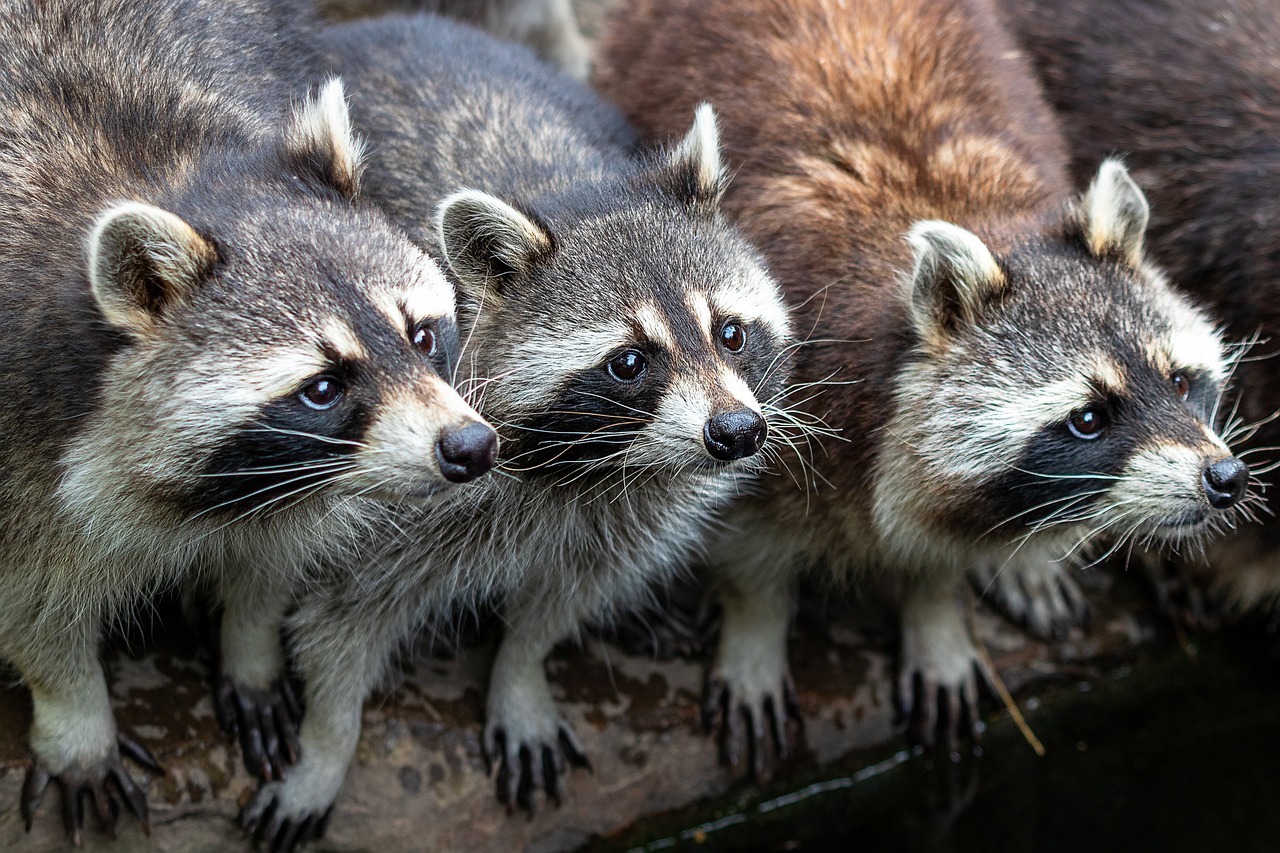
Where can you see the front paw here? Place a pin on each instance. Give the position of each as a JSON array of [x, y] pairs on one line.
[[279, 827], [1039, 595], [107, 783], [753, 713], [938, 694], [530, 752], [266, 722]]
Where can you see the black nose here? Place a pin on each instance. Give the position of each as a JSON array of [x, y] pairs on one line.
[[734, 435], [1225, 482], [467, 453]]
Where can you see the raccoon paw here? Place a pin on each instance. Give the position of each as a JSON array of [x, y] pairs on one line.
[[281, 828], [1039, 595], [752, 715], [526, 753], [107, 783], [266, 722], [938, 685]]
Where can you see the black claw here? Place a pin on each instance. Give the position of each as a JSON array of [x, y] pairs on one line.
[[286, 840], [139, 754], [552, 767], [33, 788], [134, 797], [524, 789], [263, 825], [323, 825], [306, 831], [224, 698], [575, 756], [73, 812]]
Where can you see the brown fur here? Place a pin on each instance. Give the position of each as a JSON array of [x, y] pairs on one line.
[[847, 122]]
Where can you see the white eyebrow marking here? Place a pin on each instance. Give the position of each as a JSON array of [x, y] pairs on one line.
[[654, 326], [701, 309], [343, 339]]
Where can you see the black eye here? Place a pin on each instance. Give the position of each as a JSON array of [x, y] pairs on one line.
[[424, 339], [628, 365], [733, 336], [1087, 423], [321, 393], [1181, 385]]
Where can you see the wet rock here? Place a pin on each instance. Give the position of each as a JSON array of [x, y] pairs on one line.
[[419, 781]]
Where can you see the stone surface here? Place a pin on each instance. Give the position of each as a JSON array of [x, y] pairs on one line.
[[419, 781]]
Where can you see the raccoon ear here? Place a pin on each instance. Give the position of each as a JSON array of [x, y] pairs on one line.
[[1115, 214], [697, 171], [955, 273], [485, 240], [142, 261], [319, 139]]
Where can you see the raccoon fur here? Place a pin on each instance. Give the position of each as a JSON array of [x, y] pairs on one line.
[[208, 353], [625, 341], [1186, 91], [549, 27], [1016, 377]]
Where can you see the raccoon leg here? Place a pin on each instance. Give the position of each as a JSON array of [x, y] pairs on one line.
[[253, 698], [74, 737], [749, 694], [340, 663], [526, 741], [1033, 590], [939, 667]]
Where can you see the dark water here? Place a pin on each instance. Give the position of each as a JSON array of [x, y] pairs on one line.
[[1175, 754]]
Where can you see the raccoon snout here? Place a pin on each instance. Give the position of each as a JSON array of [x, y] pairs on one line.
[[467, 453], [734, 435], [1225, 482]]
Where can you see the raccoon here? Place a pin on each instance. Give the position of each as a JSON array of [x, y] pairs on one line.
[[212, 360], [548, 26], [1015, 376], [626, 342], [1194, 121]]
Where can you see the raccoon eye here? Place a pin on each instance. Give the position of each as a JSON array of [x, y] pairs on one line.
[[1181, 385], [321, 393], [627, 365], [1087, 423], [424, 338], [733, 336]]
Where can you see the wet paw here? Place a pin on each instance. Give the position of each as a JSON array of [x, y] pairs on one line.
[[266, 722], [1037, 594], [941, 709], [274, 827], [752, 719], [526, 758], [107, 783]]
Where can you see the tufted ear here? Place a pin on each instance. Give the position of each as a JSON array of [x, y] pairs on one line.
[[694, 168], [955, 273], [1115, 215], [487, 241], [319, 139], [142, 261]]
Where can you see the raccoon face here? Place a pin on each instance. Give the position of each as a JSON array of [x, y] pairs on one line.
[[626, 328], [279, 346], [1062, 390]]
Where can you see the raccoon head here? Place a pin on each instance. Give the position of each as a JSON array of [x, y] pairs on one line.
[[1061, 388], [623, 327], [278, 343]]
